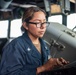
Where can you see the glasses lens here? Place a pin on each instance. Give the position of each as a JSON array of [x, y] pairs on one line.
[[46, 24], [38, 25]]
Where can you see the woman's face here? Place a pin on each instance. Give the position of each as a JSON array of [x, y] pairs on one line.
[[37, 30]]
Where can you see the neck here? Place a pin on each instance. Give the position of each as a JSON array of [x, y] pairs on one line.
[[35, 40]]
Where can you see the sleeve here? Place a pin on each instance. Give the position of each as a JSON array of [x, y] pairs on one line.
[[13, 61]]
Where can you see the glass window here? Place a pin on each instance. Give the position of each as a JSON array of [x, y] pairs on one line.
[[3, 29], [71, 21], [15, 28], [55, 18]]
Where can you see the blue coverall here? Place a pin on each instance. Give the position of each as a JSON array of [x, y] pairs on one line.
[[20, 57]]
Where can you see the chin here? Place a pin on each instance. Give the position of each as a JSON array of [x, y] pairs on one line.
[[41, 36]]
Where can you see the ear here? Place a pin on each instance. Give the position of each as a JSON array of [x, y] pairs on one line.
[[25, 25]]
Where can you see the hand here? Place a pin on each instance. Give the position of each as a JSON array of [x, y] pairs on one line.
[[47, 66], [54, 62], [50, 64], [62, 62]]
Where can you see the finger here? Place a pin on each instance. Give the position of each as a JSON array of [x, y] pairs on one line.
[[63, 61], [59, 62]]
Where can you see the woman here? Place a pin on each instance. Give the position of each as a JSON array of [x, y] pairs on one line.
[[28, 54]]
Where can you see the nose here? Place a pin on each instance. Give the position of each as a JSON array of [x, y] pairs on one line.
[[43, 26]]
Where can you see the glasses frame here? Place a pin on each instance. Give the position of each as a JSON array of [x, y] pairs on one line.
[[39, 24]]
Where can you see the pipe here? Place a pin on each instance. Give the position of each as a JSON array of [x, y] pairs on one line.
[[5, 3]]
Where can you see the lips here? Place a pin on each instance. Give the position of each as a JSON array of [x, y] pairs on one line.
[[41, 32]]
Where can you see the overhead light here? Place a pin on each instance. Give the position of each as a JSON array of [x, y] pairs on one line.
[[23, 5]]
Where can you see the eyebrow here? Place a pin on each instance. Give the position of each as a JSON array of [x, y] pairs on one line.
[[39, 20]]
